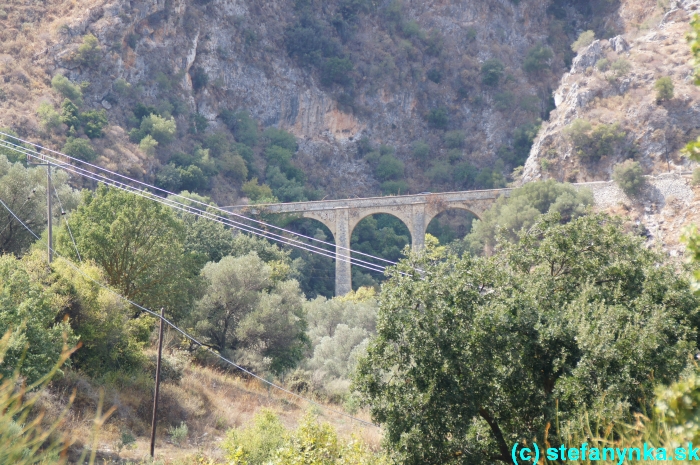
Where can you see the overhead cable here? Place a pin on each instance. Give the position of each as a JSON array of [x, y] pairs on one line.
[[185, 334], [166, 192], [194, 210]]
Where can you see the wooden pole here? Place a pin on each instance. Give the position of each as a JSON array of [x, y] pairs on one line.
[[49, 213], [155, 397]]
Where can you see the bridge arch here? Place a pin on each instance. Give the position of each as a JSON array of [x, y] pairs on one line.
[[356, 218], [452, 222], [431, 213]]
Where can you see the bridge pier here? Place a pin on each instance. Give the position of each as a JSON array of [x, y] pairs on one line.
[[416, 212], [343, 267]]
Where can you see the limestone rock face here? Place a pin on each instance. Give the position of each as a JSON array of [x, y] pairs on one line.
[[612, 82]]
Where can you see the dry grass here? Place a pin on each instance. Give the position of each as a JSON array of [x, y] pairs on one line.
[[207, 400]]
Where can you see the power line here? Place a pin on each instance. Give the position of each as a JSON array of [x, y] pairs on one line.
[[196, 211], [63, 213], [206, 214], [149, 186], [184, 333]]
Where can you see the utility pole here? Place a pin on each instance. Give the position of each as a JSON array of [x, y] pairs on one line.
[[48, 212], [155, 397]]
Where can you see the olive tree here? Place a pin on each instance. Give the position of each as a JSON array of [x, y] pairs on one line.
[[475, 354]]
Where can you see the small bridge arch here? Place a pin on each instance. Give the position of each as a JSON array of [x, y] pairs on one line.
[[415, 211]]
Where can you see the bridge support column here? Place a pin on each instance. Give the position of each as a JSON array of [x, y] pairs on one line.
[[418, 226], [343, 268]]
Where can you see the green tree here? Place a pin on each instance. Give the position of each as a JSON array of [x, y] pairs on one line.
[[79, 148], [538, 59], [70, 116], [49, 117], [438, 118], [629, 176], [248, 309], [664, 89], [63, 86], [24, 191], [245, 128], [89, 52], [94, 121], [492, 72], [475, 354], [139, 245], [388, 168], [161, 129], [585, 39], [280, 138], [258, 193], [148, 145], [592, 143], [28, 313], [522, 209]]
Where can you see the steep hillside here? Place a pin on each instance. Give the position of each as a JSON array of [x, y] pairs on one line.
[[608, 105], [382, 97]]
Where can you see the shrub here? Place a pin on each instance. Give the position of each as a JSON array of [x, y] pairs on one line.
[[336, 71], [198, 123], [258, 193], [200, 79], [168, 178], [89, 53], [394, 187], [492, 72], [664, 89], [696, 177], [79, 148], [434, 75], [454, 139], [280, 138], [438, 118], [440, 172], [148, 145], [538, 59], [592, 143], [233, 166], [244, 128], [63, 86], [585, 39], [69, 115], [50, 118], [93, 123], [389, 168], [178, 434], [257, 443], [162, 129], [420, 151], [629, 176], [620, 67], [464, 174], [603, 65]]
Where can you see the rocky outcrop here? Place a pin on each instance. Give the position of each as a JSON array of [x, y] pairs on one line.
[[612, 82]]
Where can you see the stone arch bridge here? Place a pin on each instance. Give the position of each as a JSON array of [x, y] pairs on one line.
[[415, 211]]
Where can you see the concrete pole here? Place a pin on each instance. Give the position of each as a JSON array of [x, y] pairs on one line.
[[343, 268], [49, 213], [154, 418]]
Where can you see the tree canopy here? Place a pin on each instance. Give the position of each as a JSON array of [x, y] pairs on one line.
[[139, 245], [477, 353]]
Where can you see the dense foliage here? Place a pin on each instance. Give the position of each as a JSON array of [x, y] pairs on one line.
[[474, 354]]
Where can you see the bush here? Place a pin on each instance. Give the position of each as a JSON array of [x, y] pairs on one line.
[[148, 145], [434, 75], [244, 128], [664, 89], [629, 176], [233, 166], [492, 72], [163, 130], [454, 139], [592, 143], [79, 148], [439, 173], [394, 187], [89, 53], [538, 59], [336, 71], [420, 151], [438, 118], [258, 193], [168, 178], [178, 434], [192, 178], [620, 67], [696, 177], [280, 138], [93, 123], [200, 79], [50, 118], [258, 443], [389, 168], [585, 39], [63, 86]]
